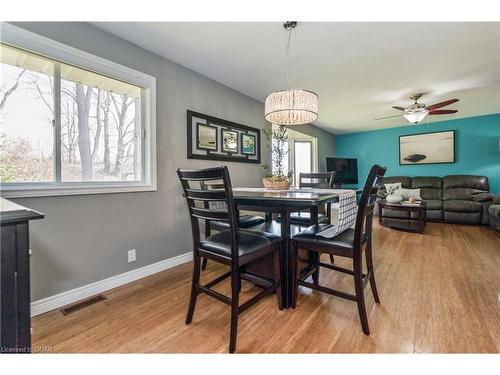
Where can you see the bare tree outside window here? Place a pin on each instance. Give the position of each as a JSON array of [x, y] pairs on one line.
[[100, 123], [26, 130]]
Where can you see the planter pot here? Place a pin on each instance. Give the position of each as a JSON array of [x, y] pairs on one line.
[[276, 185], [394, 198]]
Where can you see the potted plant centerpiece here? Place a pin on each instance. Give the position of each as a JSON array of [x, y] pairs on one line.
[[275, 178]]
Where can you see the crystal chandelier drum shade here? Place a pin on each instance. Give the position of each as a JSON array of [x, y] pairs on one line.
[[291, 107]]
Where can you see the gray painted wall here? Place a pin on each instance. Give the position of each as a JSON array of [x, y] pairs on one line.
[[326, 142], [85, 238]]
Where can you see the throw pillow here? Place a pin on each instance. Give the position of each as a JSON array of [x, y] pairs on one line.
[[391, 188], [409, 193]]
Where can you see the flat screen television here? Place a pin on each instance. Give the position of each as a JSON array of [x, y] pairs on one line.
[[346, 170]]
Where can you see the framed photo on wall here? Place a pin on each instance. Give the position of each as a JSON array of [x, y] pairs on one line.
[[248, 144], [212, 138], [206, 137], [427, 148], [229, 141]]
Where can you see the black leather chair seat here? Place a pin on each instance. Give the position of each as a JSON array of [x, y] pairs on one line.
[[304, 218], [462, 206], [249, 242], [245, 221], [344, 240]]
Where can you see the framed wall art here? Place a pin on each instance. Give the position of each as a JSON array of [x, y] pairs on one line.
[[248, 143], [212, 138], [229, 141], [206, 137], [427, 148]]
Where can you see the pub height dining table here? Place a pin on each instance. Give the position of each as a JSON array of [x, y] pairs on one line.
[[282, 202]]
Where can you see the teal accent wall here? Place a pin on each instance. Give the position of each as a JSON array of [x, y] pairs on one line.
[[476, 149]]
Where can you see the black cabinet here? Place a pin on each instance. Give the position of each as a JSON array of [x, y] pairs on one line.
[[15, 327]]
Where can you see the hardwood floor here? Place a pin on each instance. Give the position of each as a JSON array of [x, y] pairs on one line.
[[439, 293]]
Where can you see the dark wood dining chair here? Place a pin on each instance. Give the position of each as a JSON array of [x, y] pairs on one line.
[[234, 247], [323, 180], [244, 221], [351, 244]]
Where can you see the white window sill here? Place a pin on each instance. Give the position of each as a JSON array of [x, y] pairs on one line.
[[10, 192]]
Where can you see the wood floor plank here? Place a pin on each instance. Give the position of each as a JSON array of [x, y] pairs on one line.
[[453, 281], [438, 293]]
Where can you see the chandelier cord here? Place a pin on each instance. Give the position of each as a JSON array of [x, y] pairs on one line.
[[287, 57]]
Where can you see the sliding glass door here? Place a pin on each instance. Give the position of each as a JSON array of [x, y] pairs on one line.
[[303, 158]]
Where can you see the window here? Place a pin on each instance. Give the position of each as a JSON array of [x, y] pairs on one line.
[[303, 158], [67, 127], [26, 117]]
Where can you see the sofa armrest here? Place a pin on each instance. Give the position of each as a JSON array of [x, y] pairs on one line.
[[482, 197], [485, 218]]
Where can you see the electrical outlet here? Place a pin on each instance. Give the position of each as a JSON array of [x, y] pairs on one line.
[[131, 255]]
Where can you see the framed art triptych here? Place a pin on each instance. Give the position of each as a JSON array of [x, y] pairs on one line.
[[211, 138]]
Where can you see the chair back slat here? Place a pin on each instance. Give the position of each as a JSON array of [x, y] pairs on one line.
[[366, 206], [209, 174], [213, 186], [209, 214], [206, 195], [323, 180], [213, 203], [317, 185]]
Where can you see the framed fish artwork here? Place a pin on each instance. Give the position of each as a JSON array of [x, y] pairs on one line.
[[427, 148]]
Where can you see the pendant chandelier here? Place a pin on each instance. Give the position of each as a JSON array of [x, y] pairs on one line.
[[291, 106]]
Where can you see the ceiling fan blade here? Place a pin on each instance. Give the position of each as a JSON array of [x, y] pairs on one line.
[[442, 111], [398, 108], [383, 118], [441, 104]]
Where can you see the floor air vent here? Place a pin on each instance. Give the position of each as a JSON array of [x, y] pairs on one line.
[[83, 304]]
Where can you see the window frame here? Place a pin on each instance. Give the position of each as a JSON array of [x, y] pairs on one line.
[[20, 38]]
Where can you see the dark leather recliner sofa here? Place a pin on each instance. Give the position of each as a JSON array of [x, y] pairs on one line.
[[461, 199], [494, 213]]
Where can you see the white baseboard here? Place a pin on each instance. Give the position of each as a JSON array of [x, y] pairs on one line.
[[77, 294]]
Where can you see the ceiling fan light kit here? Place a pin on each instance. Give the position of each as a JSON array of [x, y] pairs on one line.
[[291, 106], [415, 117], [417, 112]]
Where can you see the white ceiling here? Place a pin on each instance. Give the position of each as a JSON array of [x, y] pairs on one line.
[[359, 70]]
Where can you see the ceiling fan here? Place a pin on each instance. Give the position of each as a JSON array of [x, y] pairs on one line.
[[416, 112]]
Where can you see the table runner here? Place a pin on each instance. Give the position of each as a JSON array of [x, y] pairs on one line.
[[347, 210]]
